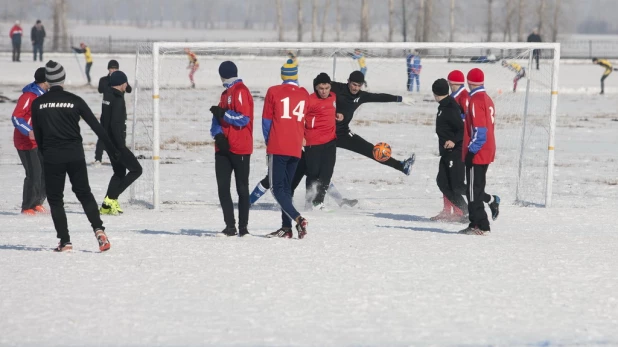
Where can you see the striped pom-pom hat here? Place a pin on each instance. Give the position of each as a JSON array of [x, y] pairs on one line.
[[289, 71], [54, 73]]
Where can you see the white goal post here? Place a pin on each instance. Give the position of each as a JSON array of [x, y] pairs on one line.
[[149, 81]]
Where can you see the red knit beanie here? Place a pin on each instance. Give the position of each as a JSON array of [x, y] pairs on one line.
[[476, 76], [456, 76]]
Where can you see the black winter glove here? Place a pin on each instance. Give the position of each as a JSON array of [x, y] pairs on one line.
[[218, 112], [222, 143], [469, 158]]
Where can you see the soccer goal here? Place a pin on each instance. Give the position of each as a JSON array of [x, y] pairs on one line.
[[171, 123]]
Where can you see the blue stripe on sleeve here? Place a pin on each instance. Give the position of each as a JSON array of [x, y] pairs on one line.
[[236, 118], [21, 125], [479, 137], [266, 123]]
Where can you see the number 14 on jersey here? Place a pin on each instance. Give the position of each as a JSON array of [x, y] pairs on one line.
[[298, 110]]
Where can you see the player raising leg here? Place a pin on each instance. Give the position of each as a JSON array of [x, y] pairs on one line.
[[349, 98]]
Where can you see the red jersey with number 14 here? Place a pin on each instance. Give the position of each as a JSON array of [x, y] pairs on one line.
[[285, 106]]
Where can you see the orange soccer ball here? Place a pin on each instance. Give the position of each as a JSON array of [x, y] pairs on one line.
[[382, 151]]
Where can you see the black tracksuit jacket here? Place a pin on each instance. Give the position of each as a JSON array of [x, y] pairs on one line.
[[55, 122], [449, 124], [114, 117], [347, 103], [104, 84]]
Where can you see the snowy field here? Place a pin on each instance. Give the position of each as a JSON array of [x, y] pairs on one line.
[[380, 274]]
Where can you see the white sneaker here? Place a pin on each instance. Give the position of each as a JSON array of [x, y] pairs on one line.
[[318, 207], [97, 163]]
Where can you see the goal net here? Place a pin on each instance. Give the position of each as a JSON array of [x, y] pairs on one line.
[[171, 124]]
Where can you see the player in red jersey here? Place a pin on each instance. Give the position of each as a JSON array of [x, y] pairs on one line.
[[456, 81], [479, 150], [283, 123], [321, 140], [193, 65], [23, 138], [232, 128]]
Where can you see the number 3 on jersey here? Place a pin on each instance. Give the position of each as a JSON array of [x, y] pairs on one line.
[[297, 111]]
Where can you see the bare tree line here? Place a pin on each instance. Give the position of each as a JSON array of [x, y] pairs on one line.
[[399, 20]]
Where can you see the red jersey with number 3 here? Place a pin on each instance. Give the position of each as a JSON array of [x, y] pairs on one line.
[[320, 124], [285, 105], [480, 115]]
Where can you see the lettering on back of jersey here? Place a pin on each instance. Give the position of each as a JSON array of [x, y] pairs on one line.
[[56, 105]]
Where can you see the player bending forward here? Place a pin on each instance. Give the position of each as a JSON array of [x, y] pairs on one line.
[[520, 72], [349, 98], [608, 70], [478, 152], [283, 123]]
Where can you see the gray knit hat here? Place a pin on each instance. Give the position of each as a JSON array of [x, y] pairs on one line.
[[54, 73]]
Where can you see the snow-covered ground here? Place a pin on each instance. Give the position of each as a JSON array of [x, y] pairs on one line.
[[380, 274]]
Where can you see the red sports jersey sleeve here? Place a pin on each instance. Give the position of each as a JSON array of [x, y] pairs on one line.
[[285, 107], [22, 114]]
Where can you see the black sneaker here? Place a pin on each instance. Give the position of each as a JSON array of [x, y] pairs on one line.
[[284, 232], [64, 247], [495, 207], [348, 202], [243, 231], [229, 231], [473, 231], [301, 227]]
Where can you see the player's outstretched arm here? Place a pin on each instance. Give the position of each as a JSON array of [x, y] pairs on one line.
[[382, 97]]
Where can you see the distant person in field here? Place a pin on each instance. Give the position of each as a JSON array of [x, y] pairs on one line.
[[535, 37], [23, 137], [15, 34], [451, 170], [83, 48], [114, 115], [232, 129], [520, 72], [349, 98], [193, 65], [360, 57], [413, 62], [283, 122], [479, 150], [608, 70], [112, 66], [37, 38], [55, 123]]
